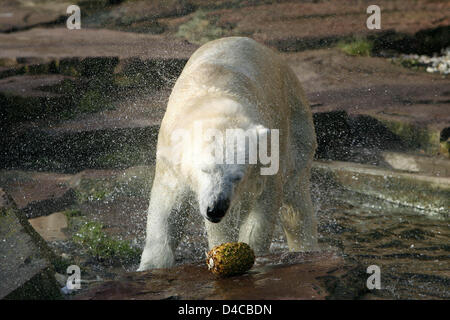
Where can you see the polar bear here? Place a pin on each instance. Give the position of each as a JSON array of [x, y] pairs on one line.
[[232, 83]]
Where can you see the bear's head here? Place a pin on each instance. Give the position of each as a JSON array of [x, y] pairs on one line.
[[222, 165], [215, 154], [217, 188]]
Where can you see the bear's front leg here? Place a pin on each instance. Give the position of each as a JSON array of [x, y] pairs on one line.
[[298, 218], [257, 228], [162, 223]]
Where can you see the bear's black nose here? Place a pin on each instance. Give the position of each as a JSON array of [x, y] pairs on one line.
[[218, 210]]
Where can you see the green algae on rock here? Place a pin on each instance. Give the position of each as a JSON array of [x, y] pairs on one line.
[[91, 237]]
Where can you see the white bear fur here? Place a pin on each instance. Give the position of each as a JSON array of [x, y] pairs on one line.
[[234, 83]]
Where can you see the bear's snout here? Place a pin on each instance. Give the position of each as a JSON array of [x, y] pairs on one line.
[[217, 211]]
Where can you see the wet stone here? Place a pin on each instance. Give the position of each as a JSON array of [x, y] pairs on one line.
[[38, 194], [50, 227], [424, 192], [25, 267], [313, 275]]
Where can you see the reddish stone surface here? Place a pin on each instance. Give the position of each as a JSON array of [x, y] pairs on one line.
[[372, 86], [38, 194], [19, 15], [327, 19], [289, 276], [61, 42]]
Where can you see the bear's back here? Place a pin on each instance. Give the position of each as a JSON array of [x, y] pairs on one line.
[[241, 54], [252, 75], [238, 67]]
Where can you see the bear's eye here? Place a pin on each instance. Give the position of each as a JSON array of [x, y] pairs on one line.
[[207, 170], [236, 179]]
